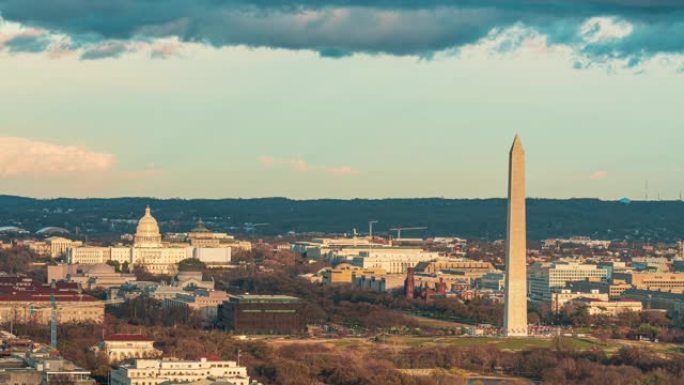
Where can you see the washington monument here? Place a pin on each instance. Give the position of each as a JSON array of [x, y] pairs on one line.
[[515, 305]]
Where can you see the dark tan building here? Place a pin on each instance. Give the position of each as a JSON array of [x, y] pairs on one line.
[[263, 314]]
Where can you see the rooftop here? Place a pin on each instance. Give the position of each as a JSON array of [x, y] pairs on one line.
[[262, 298], [128, 337]]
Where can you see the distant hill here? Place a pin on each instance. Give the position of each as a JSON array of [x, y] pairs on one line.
[[473, 218]]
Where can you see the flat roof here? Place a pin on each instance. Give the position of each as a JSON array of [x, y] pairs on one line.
[[263, 298]]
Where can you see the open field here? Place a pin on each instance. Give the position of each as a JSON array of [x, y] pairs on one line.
[[414, 341]]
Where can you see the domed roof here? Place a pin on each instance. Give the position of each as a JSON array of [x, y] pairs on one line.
[[52, 230], [147, 225], [200, 227], [147, 233]]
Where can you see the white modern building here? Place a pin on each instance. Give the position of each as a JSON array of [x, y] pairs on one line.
[[212, 256], [320, 248], [154, 372], [394, 260], [545, 278], [564, 296], [119, 347]]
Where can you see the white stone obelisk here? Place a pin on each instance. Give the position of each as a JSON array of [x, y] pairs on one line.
[[515, 305]]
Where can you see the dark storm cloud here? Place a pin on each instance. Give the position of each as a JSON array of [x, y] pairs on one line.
[[104, 51], [27, 43], [337, 28]]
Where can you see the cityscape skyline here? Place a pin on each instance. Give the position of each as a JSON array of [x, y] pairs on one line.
[[296, 192]]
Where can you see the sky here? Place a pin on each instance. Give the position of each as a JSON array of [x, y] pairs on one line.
[[340, 99]]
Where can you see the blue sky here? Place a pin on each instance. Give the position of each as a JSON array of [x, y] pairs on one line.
[[340, 99]]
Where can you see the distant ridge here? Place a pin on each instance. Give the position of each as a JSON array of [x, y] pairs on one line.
[[652, 221]]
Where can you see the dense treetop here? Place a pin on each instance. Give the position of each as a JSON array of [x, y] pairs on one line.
[[472, 218]]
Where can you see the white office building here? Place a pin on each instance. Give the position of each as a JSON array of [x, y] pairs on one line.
[[546, 278], [154, 372]]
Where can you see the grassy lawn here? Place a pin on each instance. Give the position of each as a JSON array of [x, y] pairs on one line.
[[434, 323], [502, 343]]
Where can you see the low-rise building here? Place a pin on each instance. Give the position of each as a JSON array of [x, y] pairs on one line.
[[263, 314], [172, 371], [455, 264], [379, 282], [672, 302], [320, 248], [52, 247], [27, 302], [609, 308], [393, 260], [670, 282], [614, 289], [564, 296], [183, 283], [213, 257], [96, 276], [203, 302], [344, 273], [61, 371], [119, 347]]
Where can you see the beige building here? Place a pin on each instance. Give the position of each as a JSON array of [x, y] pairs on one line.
[[321, 248], [97, 276], [52, 247], [204, 303], [154, 372], [563, 297], [441, 264], [393, 260], [670, 282], [379, 282], [148, 250], [614, 289], [119, 347], [467, 269], [609, 308], [25, 307], [344, 273], [202, 237], [515, 294]]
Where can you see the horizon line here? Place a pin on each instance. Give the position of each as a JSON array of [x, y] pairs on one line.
[[335, 199]]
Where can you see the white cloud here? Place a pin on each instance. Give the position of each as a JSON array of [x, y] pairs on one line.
[[302, 166], [25, 157], [598, 29]]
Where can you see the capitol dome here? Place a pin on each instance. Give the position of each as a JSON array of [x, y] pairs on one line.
[[147, 233]]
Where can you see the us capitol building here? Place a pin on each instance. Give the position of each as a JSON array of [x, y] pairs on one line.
[[147, 251]]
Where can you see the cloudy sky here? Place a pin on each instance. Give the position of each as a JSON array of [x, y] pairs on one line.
[[340, 98]]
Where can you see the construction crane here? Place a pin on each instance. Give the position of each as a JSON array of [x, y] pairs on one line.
[[399, 230]]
